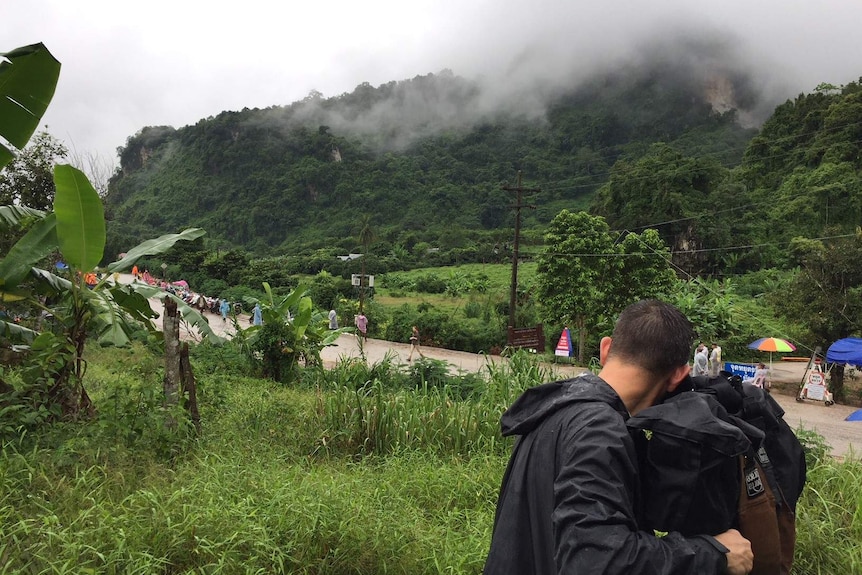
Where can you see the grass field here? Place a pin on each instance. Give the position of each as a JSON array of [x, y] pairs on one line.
[[356, 470]]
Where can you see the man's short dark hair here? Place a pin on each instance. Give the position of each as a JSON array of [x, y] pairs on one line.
[[653, 335]]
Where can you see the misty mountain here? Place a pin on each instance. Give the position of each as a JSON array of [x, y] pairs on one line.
[[424, 158]]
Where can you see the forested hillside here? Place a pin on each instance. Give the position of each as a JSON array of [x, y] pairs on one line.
[[424, 159]]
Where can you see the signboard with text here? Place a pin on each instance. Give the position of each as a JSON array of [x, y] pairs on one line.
[[744, 370], [564, 346], [527, 337]]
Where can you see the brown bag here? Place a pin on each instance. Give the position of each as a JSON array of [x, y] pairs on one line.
[[770, 528]]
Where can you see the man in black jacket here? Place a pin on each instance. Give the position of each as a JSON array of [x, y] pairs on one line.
[[569, 496]]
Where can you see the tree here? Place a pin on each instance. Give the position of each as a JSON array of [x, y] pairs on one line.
[[97, 168], [663, 187], [584, 278], [645, 269], [578, 258], [826, 294], [28, 180]]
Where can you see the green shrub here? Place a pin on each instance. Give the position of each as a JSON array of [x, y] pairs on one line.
[[815, 446], [430, 283], [472, 309]]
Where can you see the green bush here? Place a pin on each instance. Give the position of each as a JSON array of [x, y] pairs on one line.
[[430, 283], [327, 290], [472, 309]]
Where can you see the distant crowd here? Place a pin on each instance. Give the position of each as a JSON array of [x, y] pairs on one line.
[[198, 301]]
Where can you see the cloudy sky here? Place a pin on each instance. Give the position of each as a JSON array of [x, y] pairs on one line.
[[127, 65]]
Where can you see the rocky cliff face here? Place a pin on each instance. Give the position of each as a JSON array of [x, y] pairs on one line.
[[721, 92]]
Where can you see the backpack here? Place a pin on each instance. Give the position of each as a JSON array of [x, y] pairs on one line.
[[717, 455]]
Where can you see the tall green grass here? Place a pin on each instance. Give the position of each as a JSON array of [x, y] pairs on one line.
[[374, 419], [363, 472]]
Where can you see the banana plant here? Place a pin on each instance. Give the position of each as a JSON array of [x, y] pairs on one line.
[[292, 333], [76, 228]]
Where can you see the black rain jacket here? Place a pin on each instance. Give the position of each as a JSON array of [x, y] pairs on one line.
[[567, 503]]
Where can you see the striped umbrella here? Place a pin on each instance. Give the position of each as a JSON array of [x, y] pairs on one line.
[[772, 344]]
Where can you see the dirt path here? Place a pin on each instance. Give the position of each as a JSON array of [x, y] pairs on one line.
[[843, 436]]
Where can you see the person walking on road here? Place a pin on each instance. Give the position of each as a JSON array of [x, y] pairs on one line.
[[333, 319], [414, 344], [362, 325], [224, 308]]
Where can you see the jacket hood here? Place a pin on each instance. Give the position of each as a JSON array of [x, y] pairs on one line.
[[537, 403]]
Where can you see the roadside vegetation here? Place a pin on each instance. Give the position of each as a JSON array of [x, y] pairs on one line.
[[361, 469]]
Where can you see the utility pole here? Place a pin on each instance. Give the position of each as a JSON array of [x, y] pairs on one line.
[[519, 191]]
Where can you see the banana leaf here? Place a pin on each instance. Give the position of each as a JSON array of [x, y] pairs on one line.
[[39, 241], [303, 316], [80, 218], [190, 315], [11, 216], [55, 284], [133, 302], [14, 331], [153, 247], [28, 78]]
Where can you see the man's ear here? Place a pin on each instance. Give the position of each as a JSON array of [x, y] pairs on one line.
[[604, 349], [677, 376]]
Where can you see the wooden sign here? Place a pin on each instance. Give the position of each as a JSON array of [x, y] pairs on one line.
[[527, 337]]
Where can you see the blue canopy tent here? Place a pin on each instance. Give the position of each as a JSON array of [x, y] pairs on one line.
[[847, 350]]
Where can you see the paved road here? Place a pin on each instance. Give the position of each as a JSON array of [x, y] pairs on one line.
[[843, 436]]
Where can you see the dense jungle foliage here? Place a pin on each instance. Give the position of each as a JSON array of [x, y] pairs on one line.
[[641, 148], [418, 156]]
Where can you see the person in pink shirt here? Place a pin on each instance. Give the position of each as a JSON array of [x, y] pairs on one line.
[[362, 325]]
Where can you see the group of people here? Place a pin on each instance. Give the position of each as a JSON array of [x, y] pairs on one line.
[[707, 362], [569, 498], [199, 301]]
